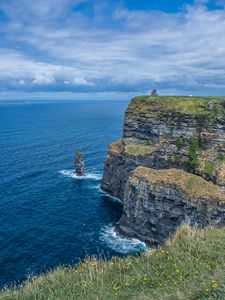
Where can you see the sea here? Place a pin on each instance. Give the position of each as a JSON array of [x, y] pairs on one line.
[[49, 217]]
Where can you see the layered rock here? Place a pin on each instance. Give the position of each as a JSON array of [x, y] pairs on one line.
[[79, 163], [157, 202], [163, 133]]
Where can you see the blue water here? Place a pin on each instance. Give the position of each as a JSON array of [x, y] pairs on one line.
[[48, 217]]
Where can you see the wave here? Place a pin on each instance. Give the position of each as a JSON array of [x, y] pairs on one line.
[[94, 187], [112, 198], [72, 174], [121, 244]]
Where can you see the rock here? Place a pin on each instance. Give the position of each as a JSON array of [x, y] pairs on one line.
[[170, 133], [157, 202], [164, 133], [79, 163]]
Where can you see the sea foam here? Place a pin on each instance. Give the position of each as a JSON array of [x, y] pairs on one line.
[[121, 244], [72, 174]]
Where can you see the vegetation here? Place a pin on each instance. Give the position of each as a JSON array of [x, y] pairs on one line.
[[148, 143], [139, 149], [177, 159], [193, 153], [209, 168], [190, 266], [187, 183], [179, 143], [185, 105], [221, 156]]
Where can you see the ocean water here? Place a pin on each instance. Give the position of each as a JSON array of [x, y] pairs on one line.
[[48, 216]]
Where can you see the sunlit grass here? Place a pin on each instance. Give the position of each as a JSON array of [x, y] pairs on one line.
[[190, 266], [186, 105], [139, 149]]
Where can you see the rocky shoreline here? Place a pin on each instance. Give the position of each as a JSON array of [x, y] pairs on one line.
[[180, 141]]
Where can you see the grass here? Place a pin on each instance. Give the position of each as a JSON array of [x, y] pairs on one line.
[[221, 157], [209, 168], [189, 266], [187, 183], [139, 149], [180, 104], [193, 153]]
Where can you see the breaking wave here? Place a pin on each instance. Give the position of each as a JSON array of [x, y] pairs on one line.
[[121, 244], [112, 198], [72, 174]]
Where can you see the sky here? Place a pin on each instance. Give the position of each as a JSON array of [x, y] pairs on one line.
[[109, 49]]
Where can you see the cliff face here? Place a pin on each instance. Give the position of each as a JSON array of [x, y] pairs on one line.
[[163, 133], [156, 202]]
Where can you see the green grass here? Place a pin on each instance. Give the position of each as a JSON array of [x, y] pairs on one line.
[[180, 104], [209, 168], [221, 157], [190, 266], [177, 179], [194, 151], [139, 149]]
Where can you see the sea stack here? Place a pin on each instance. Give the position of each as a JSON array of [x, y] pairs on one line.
[[79, 163]]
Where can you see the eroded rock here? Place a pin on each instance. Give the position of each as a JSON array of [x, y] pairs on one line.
[[162, 133], [79, 163]]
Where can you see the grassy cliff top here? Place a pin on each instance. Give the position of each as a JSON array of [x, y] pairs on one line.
[[137, 150], [180, 104], [187, 183], [132, 149], [190, 266]]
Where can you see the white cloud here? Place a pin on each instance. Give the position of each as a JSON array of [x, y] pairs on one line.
[[82, 81], [43, 79], [22, 82], [176, 52]]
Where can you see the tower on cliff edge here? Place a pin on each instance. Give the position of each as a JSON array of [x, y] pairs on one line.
[[79, 163]]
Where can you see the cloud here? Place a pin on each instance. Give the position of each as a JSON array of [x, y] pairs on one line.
[[22, 82], [43, 79], [82, 81], [39, 10], [68, 46]]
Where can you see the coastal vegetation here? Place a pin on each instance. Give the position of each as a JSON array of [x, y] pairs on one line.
[[139, 149], [189, 266], [187, 183], [181, 104], [193, 153]]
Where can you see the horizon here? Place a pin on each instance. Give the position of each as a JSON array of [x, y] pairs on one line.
[[102, 50], [40, 100]]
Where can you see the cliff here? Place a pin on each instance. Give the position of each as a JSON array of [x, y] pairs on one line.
[[171, 138]]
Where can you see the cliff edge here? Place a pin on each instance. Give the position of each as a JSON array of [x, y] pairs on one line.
[[169, 166]]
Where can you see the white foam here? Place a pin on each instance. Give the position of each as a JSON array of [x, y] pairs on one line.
[[120, 244], [94, 187], [112, 198], [72, 174]]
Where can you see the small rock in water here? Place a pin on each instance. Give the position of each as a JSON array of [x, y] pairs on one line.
[[79, 163]]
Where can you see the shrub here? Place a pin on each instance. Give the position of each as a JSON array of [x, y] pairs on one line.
[[179, 143], [209, 168], [193, 153]]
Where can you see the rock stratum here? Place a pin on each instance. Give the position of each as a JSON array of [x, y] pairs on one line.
[[169, 166]]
